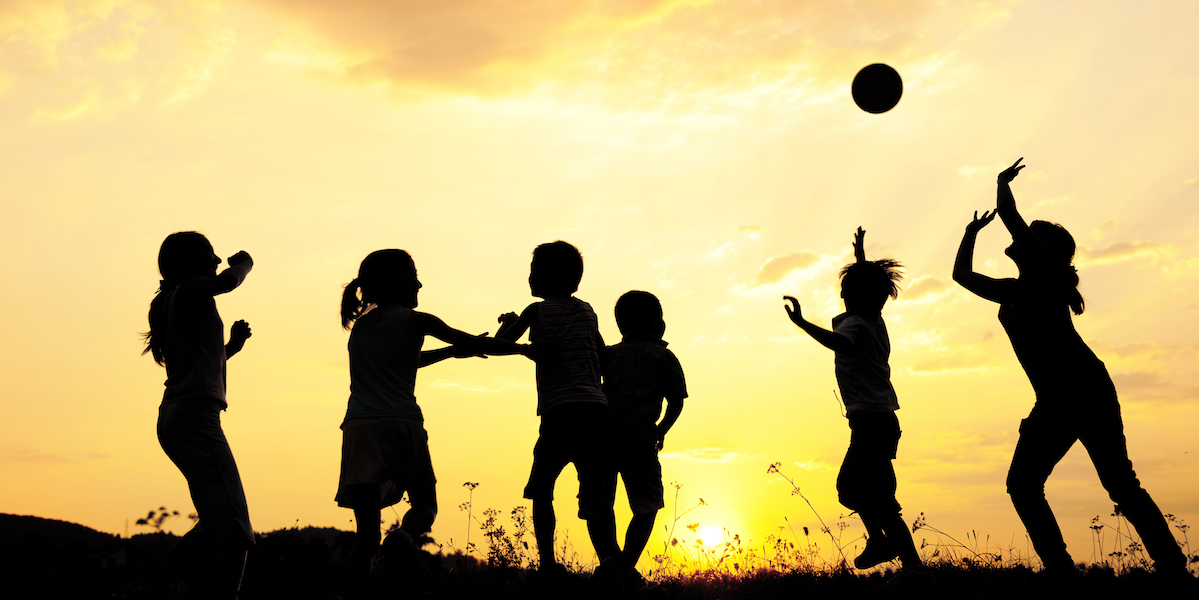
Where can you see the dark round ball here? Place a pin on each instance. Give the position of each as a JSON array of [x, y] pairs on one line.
[[877, 88]]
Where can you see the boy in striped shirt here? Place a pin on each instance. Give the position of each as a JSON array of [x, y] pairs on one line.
[[568, 349]]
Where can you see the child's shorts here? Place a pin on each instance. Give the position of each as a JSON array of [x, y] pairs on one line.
[[635, 457], [391, 453], [574, 433], [190, 433]]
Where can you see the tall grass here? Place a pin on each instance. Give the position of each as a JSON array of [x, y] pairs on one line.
[[684, 556]]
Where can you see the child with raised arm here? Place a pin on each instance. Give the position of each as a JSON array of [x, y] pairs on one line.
[[866, 483], [385, 450], [639, 374], [187, 338], [570, 401]]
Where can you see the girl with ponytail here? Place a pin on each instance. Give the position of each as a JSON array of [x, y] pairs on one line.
[[1075, 397], [187, 338], [385, 449]]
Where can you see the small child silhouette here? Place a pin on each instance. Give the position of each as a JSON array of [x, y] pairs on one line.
[[866, 483], [640, 372]]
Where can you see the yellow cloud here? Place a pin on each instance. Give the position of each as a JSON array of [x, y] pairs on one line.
[[778, 267], [630, 52], [1121, 251]]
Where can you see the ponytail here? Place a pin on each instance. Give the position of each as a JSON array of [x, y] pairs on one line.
[[352, 306], [378, 281]]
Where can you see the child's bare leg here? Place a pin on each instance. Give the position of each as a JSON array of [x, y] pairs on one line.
[[636, 537], [601, 528], [879, 547], [900, 539], [544, 523], [366, 540]]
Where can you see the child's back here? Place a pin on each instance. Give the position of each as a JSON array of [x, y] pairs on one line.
[[568, 347]]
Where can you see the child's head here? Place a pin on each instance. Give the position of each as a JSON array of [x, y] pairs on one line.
[[384, 277], [183, 255], [866, 285], [639, 314], [557, 270], [1060, 261]]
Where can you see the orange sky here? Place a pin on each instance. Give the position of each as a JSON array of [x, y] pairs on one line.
[[707, 152]]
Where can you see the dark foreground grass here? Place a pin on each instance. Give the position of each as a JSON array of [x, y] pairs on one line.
[[299, 564]]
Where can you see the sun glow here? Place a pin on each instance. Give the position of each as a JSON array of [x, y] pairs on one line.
[[711, 535]]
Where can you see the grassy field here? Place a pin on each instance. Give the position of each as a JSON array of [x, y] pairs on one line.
[[53, 559]]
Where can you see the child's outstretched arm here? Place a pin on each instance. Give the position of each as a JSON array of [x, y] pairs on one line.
[[462, 344], [859, 245], [995, 290], [829, 339], [238, 334], [674, 407]]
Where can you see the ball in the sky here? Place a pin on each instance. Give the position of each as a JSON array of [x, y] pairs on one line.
[[877, 88]]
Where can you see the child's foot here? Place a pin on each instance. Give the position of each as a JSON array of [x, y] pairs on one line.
[[876, 553], [608, 577], [633, 580]]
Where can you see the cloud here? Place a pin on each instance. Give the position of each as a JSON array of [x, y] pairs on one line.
[[1121, 251], [622, 51], [924, 286], [79, 58], [777, 267]]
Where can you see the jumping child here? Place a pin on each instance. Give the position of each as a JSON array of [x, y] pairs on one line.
[[866, 483], [187, 337]]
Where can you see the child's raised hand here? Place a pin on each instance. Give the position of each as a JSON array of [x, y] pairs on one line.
[[979, 222], [859, 245], [507, 319], [793, 311], [241, 257], [1008, 174]]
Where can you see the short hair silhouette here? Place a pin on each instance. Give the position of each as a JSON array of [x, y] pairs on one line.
[[871, 281], [176, 263], [382, 277], [639, 314], [1061, 245], [558, 268]]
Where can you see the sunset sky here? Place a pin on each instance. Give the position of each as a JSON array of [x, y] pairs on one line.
[[707, 152]]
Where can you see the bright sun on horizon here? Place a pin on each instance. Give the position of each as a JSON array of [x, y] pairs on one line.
[[707, 152]]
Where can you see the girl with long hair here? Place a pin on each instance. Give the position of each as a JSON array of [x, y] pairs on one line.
[[1075, 397], [187, 338]]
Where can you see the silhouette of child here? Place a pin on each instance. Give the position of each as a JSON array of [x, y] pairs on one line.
[[385, 449], [570, 401], [1075, 396], [866, 483], [187, 337], [640, 372]]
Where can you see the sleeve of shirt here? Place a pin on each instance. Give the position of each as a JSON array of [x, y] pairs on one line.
[[852, 327], [674, 385]]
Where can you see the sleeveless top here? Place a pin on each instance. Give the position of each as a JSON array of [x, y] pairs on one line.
[[383, 363], [568, 366], [193, 347], [1059, 364]]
